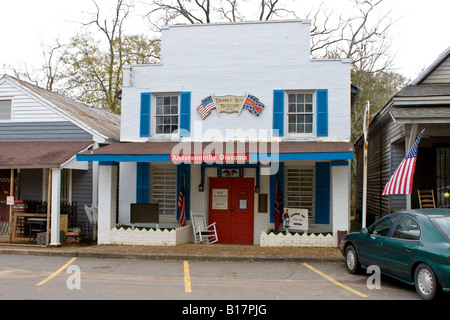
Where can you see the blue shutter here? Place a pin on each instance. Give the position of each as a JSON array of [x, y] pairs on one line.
[[322, 208], [273, 187], [185, 114], [278, 112], [142, 182], [145, 114], [322, 112], [186, 169]]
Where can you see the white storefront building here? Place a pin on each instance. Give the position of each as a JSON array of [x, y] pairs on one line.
[[232, 111]]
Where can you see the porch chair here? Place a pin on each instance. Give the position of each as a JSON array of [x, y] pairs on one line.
[[426, 198], [202, 232]]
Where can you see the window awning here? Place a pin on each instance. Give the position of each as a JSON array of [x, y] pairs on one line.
[[162, 151], [41, 154]]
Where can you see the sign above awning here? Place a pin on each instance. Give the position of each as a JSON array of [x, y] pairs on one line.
[[163, 151]]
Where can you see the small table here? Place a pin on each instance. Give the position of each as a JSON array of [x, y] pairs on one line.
[[36, 225]]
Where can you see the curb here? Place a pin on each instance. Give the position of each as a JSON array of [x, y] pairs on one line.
[[100, 255]]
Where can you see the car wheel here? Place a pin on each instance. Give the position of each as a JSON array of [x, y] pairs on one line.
[[351, 260], [425, 282]]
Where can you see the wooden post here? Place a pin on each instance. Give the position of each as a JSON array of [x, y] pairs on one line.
[[11, 193], [49, 206]]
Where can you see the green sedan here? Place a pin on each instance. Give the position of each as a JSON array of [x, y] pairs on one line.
[[412, 246]]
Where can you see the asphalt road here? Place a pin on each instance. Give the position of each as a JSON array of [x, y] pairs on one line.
[[62, 278]]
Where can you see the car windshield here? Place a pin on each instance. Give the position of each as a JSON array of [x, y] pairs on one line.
[[443, 226]]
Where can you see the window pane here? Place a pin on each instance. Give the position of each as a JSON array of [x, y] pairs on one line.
[[174, 110], [300, 98], [292, 108], [292, 119], [159, 110], [308, 128], [5, 109], [300, 108], [174, 120], [300, 128], [308, 118], [159, 120], [174, 100], [292, 128], [292, 98], [167, 101], [300, 118], [166, 120], [167, 129], [407, 228], [308, 98], [159, 101], [308, 108], [159, 129]]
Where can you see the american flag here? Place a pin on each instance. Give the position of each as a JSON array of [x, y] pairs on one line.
[[253, 105], [401, 181], [182, 205], [205, 108], [278, 204]]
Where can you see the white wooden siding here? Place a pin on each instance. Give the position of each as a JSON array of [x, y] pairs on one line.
[[26, 108]]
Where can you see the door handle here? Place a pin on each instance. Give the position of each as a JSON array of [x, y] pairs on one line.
[[380, 244], [409, 250]]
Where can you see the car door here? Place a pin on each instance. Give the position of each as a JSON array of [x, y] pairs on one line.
[[372, 246], [401, 247]]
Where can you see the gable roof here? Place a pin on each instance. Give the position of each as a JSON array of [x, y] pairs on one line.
[[431, 68], [96, 121]]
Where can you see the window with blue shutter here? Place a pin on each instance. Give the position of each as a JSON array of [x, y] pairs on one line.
[[145, 114], [322, 112], [142, 182], [185, 114], [323, 193], [278, 112]]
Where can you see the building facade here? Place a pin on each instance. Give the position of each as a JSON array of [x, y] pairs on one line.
[[40, 134], [230, 113], [422, 105]]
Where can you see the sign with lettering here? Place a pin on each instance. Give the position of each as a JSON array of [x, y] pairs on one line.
[[220, 199], [295, 219], [230, 104]]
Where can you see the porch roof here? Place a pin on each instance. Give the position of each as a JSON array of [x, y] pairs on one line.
[[39, 154], [161, 151]]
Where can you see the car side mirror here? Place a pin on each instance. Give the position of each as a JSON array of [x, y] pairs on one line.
[[365, 231]]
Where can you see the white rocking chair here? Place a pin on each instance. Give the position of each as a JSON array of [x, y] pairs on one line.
[[202, 232]]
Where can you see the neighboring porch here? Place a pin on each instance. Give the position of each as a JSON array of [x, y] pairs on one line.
[[47, 184]]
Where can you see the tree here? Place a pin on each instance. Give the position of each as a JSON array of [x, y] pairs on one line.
[[93, 66]]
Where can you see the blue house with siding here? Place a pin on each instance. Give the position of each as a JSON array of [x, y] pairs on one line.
[[40, 134]]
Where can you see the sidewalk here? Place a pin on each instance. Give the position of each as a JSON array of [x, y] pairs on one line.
[[190, 251]]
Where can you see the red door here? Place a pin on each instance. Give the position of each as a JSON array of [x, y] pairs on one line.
[[231, 206]]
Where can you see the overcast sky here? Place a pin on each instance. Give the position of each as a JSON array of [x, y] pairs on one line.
[[422, 31]]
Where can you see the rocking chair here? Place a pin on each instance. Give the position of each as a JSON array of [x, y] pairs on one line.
[[202, 232]]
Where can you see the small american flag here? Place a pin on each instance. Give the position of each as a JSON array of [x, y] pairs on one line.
[[401, 181], [182, 205], [205, 108]]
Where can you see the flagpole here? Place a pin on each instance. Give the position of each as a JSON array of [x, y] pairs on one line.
[[366, 145]]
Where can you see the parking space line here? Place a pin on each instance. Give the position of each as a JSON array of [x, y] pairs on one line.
[[335, 282], [187, 277], [56, 273]]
